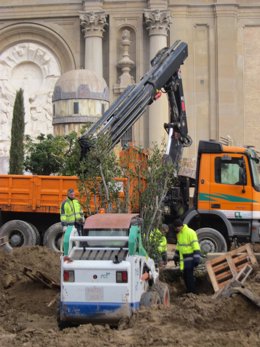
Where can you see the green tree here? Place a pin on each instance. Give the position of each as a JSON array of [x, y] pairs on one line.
[[153, 176], [97, 176], [17, 136], [44, 157], [48, 154]]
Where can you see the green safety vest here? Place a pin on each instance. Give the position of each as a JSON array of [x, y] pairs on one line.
[[70, 211], [158, 237], [187, 243]]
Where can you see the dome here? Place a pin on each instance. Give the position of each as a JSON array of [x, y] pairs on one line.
[[80, 84]]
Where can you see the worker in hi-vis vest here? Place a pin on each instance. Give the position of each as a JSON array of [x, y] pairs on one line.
[[187, 253], [71, 211]]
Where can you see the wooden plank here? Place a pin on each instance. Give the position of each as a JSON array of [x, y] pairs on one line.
[[223, 284], [220, 267], [251, 254], [231, 265], [218, 260], [241, 258], [224, 275], [212, 276]]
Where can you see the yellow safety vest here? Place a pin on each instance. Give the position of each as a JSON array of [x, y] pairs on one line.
[[70, 212], [160, 239], [187, 244]]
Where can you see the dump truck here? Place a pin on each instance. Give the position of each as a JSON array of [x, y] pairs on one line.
[[30, 207], [106, 274]]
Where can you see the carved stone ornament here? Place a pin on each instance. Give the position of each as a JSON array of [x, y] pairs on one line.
[[35, 69], [157, 22], [93, 23]]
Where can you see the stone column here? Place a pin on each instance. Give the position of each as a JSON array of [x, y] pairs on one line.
[[93, 24], [158, 24], [229, 115]]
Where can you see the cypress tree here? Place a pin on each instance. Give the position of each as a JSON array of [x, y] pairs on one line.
[[17, 136]]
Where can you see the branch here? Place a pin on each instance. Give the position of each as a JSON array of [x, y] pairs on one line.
[[106, 188], [164, 192]]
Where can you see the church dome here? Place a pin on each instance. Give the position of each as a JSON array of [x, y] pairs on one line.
[[80, 84], [80, 97]]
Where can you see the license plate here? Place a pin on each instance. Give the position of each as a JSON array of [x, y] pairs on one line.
[[94, 294]]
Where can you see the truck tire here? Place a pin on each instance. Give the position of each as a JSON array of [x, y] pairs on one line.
[[163, 290], [37, 234], [52, 237], [149, 299], [18, 233], [211, 241]]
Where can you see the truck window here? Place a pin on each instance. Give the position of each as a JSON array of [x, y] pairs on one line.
[[107, 232], [228, 171], [255, 167]]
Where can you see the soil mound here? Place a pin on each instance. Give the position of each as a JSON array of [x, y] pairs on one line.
[[28, 314]]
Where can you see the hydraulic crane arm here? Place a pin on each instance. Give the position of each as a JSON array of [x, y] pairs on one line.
[[127, 109]]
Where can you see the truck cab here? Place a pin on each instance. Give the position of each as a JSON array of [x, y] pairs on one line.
[[227, 196]]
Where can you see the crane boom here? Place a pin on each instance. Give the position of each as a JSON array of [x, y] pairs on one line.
[[127, 109]]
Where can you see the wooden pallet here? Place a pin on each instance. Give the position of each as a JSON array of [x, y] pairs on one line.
[[224, 268], [40, 277]]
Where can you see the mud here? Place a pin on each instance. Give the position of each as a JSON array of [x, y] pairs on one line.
[[28, 312]]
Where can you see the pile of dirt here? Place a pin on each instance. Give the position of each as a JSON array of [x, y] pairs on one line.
[[28, 315]]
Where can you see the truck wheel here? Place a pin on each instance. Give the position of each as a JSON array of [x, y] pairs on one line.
[[211, 241], [19, 233], [149, 299], [52, 237], [37, 234], [163, 290]]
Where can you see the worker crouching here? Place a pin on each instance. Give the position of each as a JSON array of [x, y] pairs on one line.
[[159, 241], [187, 253]]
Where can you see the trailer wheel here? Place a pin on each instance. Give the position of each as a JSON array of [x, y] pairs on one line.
[[149, 299], [163, 290], [211, 241], [52, 237], [19, 233]]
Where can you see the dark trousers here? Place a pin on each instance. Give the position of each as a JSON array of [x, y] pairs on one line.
[[189, 279]]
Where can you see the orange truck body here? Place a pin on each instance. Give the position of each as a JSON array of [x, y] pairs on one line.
[[40, 194]]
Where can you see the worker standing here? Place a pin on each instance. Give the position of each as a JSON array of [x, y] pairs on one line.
[[187, 253], [71, 212]]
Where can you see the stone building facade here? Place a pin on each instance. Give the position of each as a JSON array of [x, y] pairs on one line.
[[42, 39]]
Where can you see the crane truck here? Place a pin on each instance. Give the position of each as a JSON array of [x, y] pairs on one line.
[[106, 273], [226, 202]]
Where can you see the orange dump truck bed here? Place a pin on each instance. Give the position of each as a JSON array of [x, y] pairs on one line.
[[42, 194], [24, 193]]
